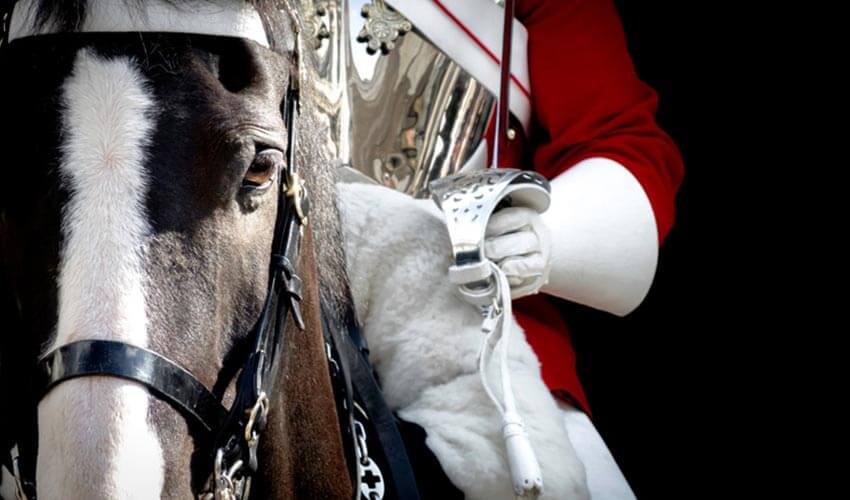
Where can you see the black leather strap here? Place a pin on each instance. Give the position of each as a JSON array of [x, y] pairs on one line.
[[367, 391], [260, 372], [160, 375], [341, 385]]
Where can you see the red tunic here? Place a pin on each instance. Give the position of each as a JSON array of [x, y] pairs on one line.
[[587, 101]]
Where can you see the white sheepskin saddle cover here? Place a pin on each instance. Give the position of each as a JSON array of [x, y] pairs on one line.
[[424, 341]]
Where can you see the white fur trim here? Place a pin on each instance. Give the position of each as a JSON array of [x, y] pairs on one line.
[[424, 341], [485, 20], [94, 437], [222, 18], [604, 238]]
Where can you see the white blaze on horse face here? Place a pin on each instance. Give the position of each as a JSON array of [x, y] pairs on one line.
[[95, 441]]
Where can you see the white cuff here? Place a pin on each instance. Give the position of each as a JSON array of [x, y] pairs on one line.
[[604, 237]]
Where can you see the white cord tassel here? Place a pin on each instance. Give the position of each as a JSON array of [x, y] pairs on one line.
[[525, 470]]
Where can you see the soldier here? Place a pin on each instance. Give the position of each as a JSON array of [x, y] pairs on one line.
[[580, 116]]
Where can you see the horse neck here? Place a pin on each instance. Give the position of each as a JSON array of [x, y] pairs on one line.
[[303, 445]]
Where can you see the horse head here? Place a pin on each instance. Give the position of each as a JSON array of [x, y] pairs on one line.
[[140, 202]]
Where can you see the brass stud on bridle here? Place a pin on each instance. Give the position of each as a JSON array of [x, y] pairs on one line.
[[296, 190]]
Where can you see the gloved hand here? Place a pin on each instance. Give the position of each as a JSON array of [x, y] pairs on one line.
[[518, 241]]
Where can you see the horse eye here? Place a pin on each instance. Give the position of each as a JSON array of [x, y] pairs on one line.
[[262, 170]]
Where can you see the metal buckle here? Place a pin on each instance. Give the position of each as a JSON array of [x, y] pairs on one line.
[[261, 404], [225, 488], [258, 413], [225, 485], [298, 192]]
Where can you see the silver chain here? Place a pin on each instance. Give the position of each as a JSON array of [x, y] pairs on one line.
[[370, 480]]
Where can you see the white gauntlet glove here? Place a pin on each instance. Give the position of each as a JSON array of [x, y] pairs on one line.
[[518, 241], [604, 238], [597, 244]]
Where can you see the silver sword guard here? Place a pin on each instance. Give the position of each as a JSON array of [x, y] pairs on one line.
[[467, 201]]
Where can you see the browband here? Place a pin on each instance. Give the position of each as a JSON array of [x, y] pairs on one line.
[[214, 17]]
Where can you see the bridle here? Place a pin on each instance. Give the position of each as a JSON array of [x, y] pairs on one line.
[[235, 432]]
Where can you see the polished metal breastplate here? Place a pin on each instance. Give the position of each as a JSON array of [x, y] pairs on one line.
[[404, 116]]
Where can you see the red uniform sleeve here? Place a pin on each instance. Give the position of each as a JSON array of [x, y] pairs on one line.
[[588, 101]]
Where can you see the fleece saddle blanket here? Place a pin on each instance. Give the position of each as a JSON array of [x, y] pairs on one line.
[[424, 342]]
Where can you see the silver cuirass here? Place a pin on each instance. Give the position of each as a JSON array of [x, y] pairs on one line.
[[399, 111]]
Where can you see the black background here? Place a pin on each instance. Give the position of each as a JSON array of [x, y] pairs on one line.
[[664, 383]]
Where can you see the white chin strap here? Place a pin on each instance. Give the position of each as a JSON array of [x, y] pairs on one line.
[[211, 17]]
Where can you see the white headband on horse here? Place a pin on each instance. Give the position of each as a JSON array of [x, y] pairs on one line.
[[220, 18]]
